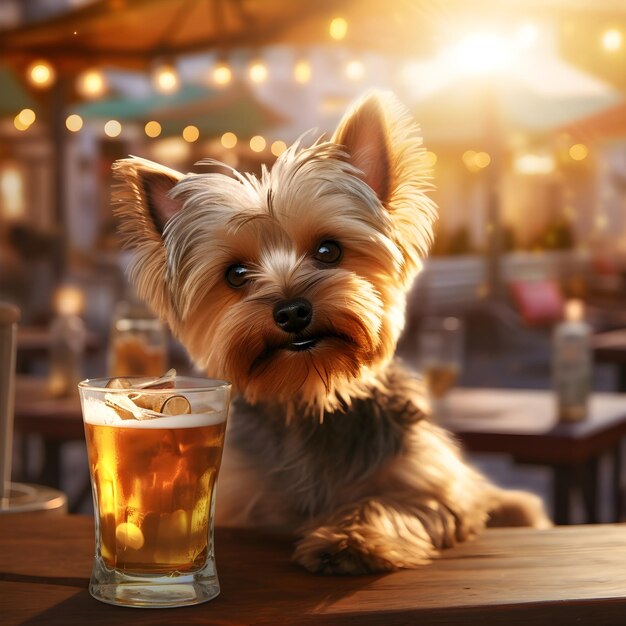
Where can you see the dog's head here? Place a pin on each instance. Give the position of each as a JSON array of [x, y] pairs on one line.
[[292, 286]]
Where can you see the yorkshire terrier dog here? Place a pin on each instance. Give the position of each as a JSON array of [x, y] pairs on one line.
[[293, 286]]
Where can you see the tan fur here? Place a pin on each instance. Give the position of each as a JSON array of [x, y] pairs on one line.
[[331, 442]]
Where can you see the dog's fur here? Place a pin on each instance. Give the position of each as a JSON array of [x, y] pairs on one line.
[[333, 442]]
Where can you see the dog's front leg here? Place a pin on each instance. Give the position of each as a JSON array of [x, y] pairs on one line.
[[377, 534]]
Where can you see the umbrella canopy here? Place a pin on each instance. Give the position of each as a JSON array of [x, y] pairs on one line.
[[13, 95], [213, 112], [457, 113]]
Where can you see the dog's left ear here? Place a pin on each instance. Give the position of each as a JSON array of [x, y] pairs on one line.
[[143, 204], [384, 144]]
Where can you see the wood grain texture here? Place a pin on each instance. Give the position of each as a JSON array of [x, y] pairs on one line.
[[567, 575]]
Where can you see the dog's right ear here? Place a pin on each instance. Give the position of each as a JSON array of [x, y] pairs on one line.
[[143, 204], [144, 189]]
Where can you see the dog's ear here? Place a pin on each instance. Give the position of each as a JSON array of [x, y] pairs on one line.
[[384, 144], [362, 132], [144, 189], [143, 204]]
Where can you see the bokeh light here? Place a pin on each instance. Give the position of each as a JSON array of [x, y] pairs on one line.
[[578, 152], [355, 70], [258, 72], [338, 28], [612, 40], [222, 74], [27, 117], [191, 133], [74, 122], [229, 140], [41, 73], [152, 129], [257, 143], [278, 147], [166, 79], [302, 71], [112, 128], [91, 84]]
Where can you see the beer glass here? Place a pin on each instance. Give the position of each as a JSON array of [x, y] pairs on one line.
[[154, 452], [137, 342], [440, 357]]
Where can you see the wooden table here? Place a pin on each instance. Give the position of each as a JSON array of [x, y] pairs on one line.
[[523, 424], [610, 347], [567, 575]]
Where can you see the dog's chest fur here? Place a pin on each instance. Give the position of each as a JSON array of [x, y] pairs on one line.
[[314, 464]]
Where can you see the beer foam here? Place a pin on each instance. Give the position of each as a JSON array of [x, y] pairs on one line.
[[98, 413]]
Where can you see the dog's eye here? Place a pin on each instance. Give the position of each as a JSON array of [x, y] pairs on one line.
[[329, 252], [237, 275]]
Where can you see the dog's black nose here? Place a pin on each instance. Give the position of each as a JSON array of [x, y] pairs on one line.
[[292, 316]]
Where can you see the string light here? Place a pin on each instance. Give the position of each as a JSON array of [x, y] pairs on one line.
[[19, 125], [166, 79], [355, 70], [302, 71], [112, 128], [612, 40], [152, 129], [91, 84], [191, 133], [27, 117], [74, 122], [41, 73], [338, 28], [222, 74], [482, 160], [258, 72], [278, 147], [229, 140], [578, 152], [257, 143]]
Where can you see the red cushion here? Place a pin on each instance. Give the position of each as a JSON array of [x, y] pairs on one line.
[[539, 302]]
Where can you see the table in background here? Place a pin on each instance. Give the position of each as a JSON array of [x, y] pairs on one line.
[[56, 420], [610, 347], [513, 576], [524, 424]]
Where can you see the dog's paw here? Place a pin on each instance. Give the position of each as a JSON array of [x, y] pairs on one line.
[[334, 552]]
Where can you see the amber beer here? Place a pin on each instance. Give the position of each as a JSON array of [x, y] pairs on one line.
[[154, 485]]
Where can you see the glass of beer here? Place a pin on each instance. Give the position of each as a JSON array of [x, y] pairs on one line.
[[440, 357], [137, 342], [154, 447]]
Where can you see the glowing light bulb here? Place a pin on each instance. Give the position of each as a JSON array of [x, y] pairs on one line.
[[229, 140], [112, 128], [258, 72], [578, 152], [19, 125], [302, 71], [482, 160], [257, 143], [166, 79], [612, 40], [191, 133], [91, 84], [338, 28], [152, 129], [278, 147], [355, 70], [222, 74], [41, 74], [74, 122], [26, 117]]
